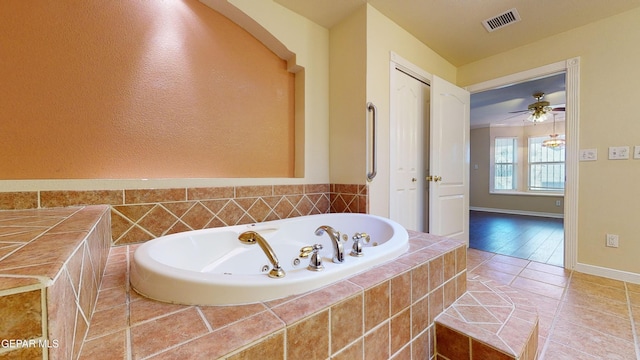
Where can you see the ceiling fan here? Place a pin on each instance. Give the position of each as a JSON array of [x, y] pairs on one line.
[[538, 111]]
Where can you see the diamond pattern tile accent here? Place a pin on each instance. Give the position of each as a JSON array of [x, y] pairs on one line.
[[283, 209], [157, 220], [144, 214], [197, 217], [259, 210], [488, 315], [231, 213], [349, 198]]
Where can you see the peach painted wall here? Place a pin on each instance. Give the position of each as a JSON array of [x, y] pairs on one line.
[[139, 89]]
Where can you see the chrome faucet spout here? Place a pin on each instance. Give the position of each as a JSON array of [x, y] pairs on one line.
[[338, 249], [252, 237]]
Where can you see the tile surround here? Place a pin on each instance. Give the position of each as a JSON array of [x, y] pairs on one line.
[[564, 324], [139, 215], [49, 279], [356, 318]]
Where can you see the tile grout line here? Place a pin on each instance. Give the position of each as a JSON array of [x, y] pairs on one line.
[[556, 316]]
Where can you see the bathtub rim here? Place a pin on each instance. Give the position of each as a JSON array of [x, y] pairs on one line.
[[161, 282]]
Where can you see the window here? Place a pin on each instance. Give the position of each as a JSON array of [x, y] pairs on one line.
[[504, 175], [546, 166]]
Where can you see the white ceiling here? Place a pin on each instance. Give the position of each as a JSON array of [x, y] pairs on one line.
[[505, 105], [453, 29]]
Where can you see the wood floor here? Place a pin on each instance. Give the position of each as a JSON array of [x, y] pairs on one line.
[[527, 237]]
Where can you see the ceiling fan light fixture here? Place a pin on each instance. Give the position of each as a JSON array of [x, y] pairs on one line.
[[537, 117], [539, 109]]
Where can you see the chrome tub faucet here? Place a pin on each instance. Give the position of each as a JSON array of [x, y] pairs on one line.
[[338, 249]]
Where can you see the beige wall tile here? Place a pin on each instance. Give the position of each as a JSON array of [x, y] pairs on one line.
[[61, 313], [12, 282], [18, 200], [481, 351], [436, 272], [50, 199], [419, 281], [137, 196], [400, 330], [222, 192], [376, 305], [401, 292], [109, 347], [346, 322], [419, 316], [376, 343], [219, 316], [352, 352], [452, 344], [314, 328], [149, 338], [271, 347], [253, 191], [21, 315]]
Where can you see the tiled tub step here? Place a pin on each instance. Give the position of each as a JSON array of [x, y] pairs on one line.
[[489, 321]]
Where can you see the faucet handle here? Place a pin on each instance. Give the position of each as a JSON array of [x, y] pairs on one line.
[[306, 251], [358, 240], [364, 237], [315, 264]]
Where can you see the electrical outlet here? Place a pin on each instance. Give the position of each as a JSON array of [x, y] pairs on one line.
[[612, 240], [636, 152], [558, 202]]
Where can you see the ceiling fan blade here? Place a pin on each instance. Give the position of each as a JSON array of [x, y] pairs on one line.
[[512, 116], [518, 112], [559, 108]]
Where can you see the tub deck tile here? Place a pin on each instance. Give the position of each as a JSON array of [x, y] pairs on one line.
[[219, 331], [493, 318]]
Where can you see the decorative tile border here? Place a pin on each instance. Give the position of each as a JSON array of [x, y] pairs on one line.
[[349, 198], [140, 215], [148, 214]]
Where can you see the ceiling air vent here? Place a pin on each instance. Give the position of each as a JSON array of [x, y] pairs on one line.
[[506, 18]]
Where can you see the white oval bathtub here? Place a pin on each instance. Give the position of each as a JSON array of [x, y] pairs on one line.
[[212, 267]]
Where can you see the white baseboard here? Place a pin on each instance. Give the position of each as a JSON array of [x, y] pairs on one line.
[[518, 212], [608, 273]]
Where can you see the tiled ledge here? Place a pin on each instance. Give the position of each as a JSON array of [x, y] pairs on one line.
[[51, 262], [385, 312], [489, 321]]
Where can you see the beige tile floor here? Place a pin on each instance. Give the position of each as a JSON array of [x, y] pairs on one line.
[[581, 316]]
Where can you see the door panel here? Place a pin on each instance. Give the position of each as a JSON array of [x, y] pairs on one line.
[[451, 205], [449, 161], [410, 111]]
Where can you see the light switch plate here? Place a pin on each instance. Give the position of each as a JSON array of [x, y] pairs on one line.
[[636, 152], [618, 152], [588, 154]]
